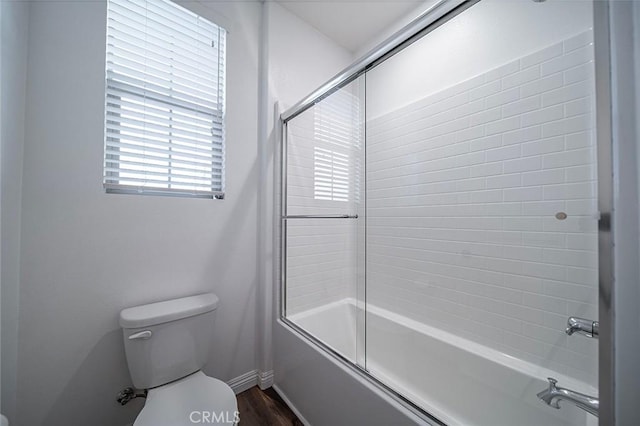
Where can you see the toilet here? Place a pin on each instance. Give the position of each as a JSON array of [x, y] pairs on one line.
[[166, 345]]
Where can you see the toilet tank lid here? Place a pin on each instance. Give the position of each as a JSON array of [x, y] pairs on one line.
[[170, 310]]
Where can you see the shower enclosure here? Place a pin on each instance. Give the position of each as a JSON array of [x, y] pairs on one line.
[[440, 214]]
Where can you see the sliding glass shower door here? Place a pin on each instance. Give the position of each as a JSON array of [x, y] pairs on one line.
[[323, 221], [440, 222]]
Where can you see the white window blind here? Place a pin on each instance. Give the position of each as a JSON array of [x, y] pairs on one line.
[[330, 175], [338, 140], [165, 97]]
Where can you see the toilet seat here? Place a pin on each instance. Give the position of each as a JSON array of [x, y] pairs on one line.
[[195, 399]]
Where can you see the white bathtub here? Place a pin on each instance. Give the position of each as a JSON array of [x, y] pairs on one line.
[[456, 380]]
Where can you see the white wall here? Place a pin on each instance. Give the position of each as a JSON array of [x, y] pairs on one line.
[[86, 254], [14, 37]]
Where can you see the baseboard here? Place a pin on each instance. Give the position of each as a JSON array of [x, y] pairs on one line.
[[244, 382], [290, 405], [265, 379], [251, 379]]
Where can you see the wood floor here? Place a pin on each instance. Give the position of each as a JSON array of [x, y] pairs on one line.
[[264, 408]]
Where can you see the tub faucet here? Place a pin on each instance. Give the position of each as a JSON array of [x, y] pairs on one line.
[[583, 326], [554, 394]]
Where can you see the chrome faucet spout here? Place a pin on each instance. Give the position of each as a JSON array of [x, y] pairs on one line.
[[554, 394]]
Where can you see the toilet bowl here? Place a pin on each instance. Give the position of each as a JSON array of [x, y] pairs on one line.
[[197, 399], [167, 344]]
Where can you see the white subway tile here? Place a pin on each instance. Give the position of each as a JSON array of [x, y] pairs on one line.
[[470, 184], [485, 143], [569, 60], [485, 116], [502, 126], [524, 105], [469, 134], [542, 85], [543, 177], [582, 242], [502, 209], [449, 103], [543, 146], [578, 140], [469, 108], [519, 282], [469, 159], [532, 193], [545, 303], [504, 153], [576, 157], [580, 258], [555, 338], [580, 73], [522, 135], [502, 98], [543, 116], [484, 90], [571, 224], [503, 181], [584, 276], [542, 208], [569, 191], [485, 170], [523, 164], [522, 224], [509, 237], [580, 173], [582, 207], [543, 239], [491, 196], [521, 77], [577, 107], [542, 55], [567, 93], [556, 321]]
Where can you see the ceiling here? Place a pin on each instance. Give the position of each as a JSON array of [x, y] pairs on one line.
[[352, 24]]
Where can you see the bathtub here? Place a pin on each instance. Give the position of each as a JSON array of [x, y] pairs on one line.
[[458, 381]]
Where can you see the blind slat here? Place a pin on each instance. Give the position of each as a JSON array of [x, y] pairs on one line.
[[157, 147], [164, 89], [127, 101], [150, 158], [185, 85]]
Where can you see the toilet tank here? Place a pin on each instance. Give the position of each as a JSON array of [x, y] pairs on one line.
[[168, 340]]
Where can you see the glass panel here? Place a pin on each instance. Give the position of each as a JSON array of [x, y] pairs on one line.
[[481, 214], [325, 255]]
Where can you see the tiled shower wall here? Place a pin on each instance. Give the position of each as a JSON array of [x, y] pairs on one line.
[[324, 177], [463, 189]]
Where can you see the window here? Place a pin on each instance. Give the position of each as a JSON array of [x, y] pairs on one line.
[[165, 93]]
